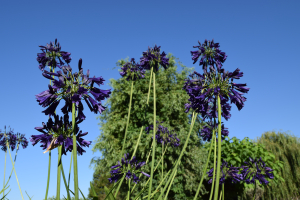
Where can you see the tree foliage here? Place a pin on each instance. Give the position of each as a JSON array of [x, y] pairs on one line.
[[171, 110], [286, 148]]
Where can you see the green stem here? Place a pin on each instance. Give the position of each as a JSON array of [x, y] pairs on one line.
[[170, 185], [4, 173], [214, 173], [75, 154], [254, 191], [142, 128], [154, 169], [204, 172], [128, 117], [14, 164], [223, 191], [155, 191], [49, 162], [162, 164], [154, 131], [70, 171], [48, 178], [14, 169], [219, 150], [65, 182], [181, 154], [149, 85], [129, 189], [58, 173], [119, 186]]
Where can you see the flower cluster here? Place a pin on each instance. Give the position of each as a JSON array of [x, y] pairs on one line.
[[12, 139], [50, 53], [204, 89], [210, 55], [128, 167], [231, 173], [58, 133], [206, 131], [72, 88], [256, 170], [164, 136], [132, 71], [152, 57]]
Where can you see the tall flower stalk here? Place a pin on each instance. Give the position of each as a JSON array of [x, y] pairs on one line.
[[11, 141], [72, 87], [52, 56], [151, 60], [210, 92]]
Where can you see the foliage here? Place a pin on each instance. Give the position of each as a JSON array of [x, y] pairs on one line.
[[236, 152], [286, 148], [169, 109]]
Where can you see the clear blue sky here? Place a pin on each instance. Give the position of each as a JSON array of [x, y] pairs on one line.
[[259, 37]]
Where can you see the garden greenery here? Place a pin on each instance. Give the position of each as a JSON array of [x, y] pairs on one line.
[[153, 127]]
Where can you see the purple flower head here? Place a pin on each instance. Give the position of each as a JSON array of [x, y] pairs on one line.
[[163, 135], [22, 140], [8, 138], [51, 52], [204, 90], [60, 132], [152, 58], [132, 71], [207, 130], [256, 169], [210, 55], [73, 87], [128, 167], [231, 173]]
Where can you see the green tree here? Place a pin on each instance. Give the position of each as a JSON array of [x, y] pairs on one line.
[[286, 148], [171, 110]]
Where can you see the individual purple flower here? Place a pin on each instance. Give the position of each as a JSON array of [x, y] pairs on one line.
[[256, 169], [132, 71], [210, 55], [73, 87], [50, 53], [60, 132], [163, 135], [206, 131], [152, 58], [8, 137], [231, 173], [128, 167], [204, 90]]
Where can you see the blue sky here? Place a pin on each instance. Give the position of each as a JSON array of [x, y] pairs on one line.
[[259, 37]]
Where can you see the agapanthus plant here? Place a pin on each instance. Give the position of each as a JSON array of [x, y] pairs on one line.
[[210, 55], [132, 71], [210, 92], [51, 52], [128, 167], [203, 91], [21, 139], [207, 130], [73, 88], [8, 138], [60, 132], [256, 169], [231, 173], [163, 135], [152, 58]]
